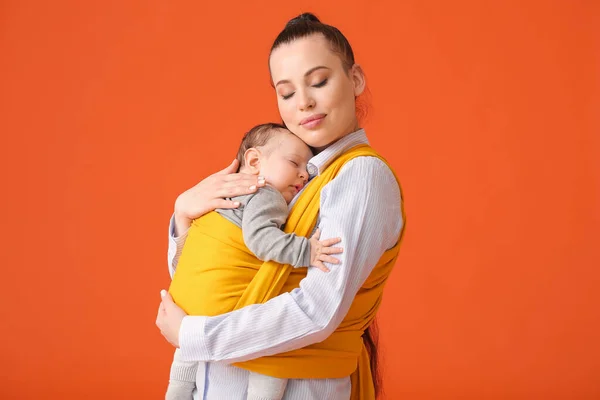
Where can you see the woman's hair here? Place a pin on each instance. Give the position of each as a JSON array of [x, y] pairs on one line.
[[257, 137], [371, 340], [308, 24]]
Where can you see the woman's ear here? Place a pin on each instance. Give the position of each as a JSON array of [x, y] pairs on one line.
[[358, 79], [252, 160]]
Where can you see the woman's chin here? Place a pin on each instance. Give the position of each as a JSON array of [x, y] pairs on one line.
[[317, 139]]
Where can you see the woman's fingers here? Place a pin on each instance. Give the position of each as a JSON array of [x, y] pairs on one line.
[[169, 318], [160, 311], [222, 203], [240, 186], [241, 179], [232, 191], [230, 169], [237, 176], [212, 192]]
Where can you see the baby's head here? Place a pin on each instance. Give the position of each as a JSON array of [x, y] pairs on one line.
[[270, 150]]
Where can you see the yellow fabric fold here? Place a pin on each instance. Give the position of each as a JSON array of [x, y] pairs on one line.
[[217, 273]]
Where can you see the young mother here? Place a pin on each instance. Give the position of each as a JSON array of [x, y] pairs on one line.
[[316, 332]]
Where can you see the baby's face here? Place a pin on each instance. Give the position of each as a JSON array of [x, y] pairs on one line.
[[284, 167]]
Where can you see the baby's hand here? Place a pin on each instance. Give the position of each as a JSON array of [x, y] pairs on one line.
[[320, 250]]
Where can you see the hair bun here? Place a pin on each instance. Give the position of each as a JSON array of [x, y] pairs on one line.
[[303, 18]]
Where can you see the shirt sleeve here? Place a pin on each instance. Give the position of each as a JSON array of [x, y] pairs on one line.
[[362, 206], [175, 247], [263, 216]]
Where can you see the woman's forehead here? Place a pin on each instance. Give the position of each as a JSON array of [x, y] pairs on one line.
[[293, 60]]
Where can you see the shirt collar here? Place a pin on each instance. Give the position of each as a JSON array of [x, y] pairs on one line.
[[318, 163]]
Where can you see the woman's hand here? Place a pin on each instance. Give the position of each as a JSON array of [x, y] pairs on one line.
[[210, 194], [169, 318]]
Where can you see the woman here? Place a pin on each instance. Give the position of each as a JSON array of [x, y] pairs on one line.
[[317, 82]]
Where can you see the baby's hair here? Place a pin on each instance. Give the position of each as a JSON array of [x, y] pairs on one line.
[[257, 137]]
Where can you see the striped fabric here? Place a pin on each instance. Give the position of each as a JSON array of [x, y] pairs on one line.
[[362, 206]]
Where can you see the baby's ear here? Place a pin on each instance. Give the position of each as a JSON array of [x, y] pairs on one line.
[[252, 160]]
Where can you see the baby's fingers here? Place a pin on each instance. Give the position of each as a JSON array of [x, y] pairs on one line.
[[330, 242], [332, 250], [321, 266], [329, 259]]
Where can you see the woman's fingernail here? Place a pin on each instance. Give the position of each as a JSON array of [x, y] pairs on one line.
[[236, 203], [261, 179], [253, 187], [163, 293]]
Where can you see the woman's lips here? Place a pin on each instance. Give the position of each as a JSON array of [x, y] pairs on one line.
[[313, 121]]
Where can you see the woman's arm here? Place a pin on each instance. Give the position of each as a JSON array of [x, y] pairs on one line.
[[211, 193], [362, 206]]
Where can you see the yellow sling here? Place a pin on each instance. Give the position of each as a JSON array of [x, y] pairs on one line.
[[217, 273]]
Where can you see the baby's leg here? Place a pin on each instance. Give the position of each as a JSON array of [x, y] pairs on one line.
[[182, 381], [263, 387]]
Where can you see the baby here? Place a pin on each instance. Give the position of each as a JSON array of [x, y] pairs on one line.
[[273, 152]]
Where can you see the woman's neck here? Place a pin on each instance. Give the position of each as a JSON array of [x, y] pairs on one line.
[[317, 150]]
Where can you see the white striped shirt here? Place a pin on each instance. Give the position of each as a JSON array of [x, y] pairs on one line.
[[362, 206]]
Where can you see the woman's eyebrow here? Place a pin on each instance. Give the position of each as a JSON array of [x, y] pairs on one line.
[[310, 71]]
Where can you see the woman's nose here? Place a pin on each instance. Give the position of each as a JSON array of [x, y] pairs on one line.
[[305, 102]]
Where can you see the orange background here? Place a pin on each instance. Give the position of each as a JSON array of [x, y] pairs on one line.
[[487, 109]]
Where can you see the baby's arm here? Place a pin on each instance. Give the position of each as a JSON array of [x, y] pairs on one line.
[[263, 216], [182, 379]]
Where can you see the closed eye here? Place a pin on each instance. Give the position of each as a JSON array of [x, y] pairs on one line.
[[294, 162], [321, 84], [287, 96]]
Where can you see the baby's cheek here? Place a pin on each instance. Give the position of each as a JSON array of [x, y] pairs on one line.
[[273, 181], [270, 178]]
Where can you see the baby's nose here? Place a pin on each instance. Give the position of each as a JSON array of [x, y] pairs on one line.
[[304, 176]]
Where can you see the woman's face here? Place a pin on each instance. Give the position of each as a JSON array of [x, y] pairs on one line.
[[316, 97]]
